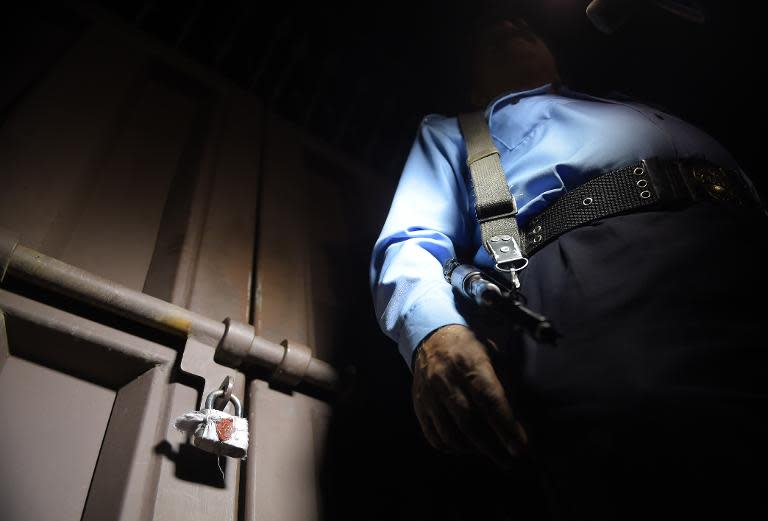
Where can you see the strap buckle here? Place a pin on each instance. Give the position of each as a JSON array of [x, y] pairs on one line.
[[507, 254]]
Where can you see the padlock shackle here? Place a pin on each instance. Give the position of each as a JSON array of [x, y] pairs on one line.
[[232, 398]]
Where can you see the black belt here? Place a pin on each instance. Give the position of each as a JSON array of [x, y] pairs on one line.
[[648, 183]]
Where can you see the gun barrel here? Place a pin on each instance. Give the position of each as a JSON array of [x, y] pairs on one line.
[[473, 284]]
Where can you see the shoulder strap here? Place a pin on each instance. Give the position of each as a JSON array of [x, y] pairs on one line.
[[495, 206]]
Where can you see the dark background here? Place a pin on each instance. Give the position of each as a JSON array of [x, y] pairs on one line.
[[360, 77]]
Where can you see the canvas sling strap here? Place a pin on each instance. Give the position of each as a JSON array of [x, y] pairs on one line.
[[648, 183], [495, 206]]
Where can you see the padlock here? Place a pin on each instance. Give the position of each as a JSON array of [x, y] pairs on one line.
[[217, 431]]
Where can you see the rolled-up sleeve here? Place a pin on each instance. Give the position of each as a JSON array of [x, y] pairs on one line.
[[426, 223]]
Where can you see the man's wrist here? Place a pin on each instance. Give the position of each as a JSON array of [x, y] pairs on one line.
[[420, 346], [415, 354]]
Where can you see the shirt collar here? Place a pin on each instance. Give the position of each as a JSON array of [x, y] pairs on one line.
[[513, 97]]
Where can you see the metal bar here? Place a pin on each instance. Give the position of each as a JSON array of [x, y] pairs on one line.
[[144, 352], [61, 277], [58, 276]]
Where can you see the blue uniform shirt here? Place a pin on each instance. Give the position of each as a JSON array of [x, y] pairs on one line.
[[549, 144]]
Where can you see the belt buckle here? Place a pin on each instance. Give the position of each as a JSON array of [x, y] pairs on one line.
[[716, 183]]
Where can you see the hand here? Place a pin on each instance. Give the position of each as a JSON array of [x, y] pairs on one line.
[[460, 402]]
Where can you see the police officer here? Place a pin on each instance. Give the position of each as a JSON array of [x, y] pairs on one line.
[[652, 403]]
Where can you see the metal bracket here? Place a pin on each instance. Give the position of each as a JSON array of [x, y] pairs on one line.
[[197, 360], [505, 250], [294, 364], [211, 348], [240, 343]]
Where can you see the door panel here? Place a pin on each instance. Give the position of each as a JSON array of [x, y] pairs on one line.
[[50, 142], [112, 161], [65, 409], [130, 187], [65, 431], [284, 467], [221, 283], [129, 161], [90, 155]]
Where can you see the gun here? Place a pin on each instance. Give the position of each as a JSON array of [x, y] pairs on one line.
[[489, 292]]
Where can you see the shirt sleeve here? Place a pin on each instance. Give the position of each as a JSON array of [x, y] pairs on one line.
[[427, 221]]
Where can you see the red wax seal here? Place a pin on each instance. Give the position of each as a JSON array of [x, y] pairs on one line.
[[224, 428]]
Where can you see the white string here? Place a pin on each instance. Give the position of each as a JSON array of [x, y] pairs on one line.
[[218, 462]]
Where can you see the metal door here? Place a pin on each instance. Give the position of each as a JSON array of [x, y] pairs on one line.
[[127, 172]]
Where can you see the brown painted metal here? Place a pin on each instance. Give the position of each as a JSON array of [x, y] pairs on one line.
[[53, 274], [4, 352], [81, 368], [292, 362], [282, 470], [8, 242], [290, 429], [140, 170], [88, 160]]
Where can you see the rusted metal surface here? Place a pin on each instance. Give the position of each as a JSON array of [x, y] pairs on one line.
[[224, 429]]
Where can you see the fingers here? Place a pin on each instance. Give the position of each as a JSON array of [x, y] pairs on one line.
[[453, 438], [430, 432], [439, 428], [487, 394], [475, 428], [452, 426], [459, 400]]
